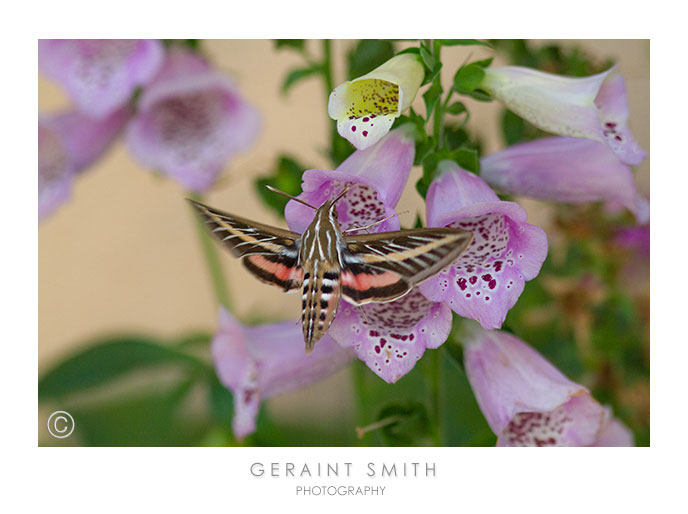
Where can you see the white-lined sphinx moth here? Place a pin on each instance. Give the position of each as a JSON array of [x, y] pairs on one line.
[[328, 264]]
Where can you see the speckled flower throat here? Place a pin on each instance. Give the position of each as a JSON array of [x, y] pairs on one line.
[[373, 96]]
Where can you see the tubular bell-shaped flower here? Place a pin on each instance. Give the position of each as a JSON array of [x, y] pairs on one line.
[[590, 107], [100, 75], [487, 279], [389, 337], [365, 108], [564, 170], [67, 144], [191, 120], [256, 363], [529, 402]]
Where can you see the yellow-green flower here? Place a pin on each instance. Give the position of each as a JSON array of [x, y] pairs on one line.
[[365, 108]]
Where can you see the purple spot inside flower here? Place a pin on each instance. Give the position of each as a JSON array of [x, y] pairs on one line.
[[366, 119], [353, 128], [365, 133]]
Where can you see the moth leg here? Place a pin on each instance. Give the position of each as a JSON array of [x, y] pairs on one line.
[[360, 308]]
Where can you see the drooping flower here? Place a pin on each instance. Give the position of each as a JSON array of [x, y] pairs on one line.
[[67, 144], [565, 169], [529, 402], [100, 75], [592, 107], [487, 279], [365, 108], [380, 172], [259, 362], [191, 121], [389, 337]]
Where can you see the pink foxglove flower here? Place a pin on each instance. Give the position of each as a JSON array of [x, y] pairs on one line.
[[191, 121], [67, 144], [565, 170], [256, 363], [365, 108], [390, 337], [591, 107], [100, 75], [487, 279], [529, 402]]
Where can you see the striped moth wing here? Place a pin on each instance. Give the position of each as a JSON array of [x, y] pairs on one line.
[[383, 267], [270, 253]]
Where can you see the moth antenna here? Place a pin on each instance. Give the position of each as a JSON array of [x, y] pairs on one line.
[[344, 191], [366, 227], [290, 197]]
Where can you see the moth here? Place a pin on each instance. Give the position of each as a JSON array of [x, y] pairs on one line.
[[328, 263]]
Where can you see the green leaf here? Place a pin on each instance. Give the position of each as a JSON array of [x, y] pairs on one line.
[[468, 78], [463, 42], [109, 359], [151, 418], [296, 44], [221, 403], [479, 95], [367, 55], [467, 158], [456, 108], [406, 424], [429, 77], [429, 166], [427, 57], [423, 149], [287, 178], [431, 97], [298, 75]]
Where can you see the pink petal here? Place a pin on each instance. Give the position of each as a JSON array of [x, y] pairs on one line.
[[67, 144], [190, 124], [381, 171], [508, 377], [100, 75], [574, 423], [268, 360], [613, 113], [487, 279], [614, 433], [393, 336], [565, 170], [594, 107]]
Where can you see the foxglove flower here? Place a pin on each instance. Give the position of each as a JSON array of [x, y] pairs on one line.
[[365, 108], [565, 169], [389, 337], [100, 75], [591, 107], [487, 279], [256, 363], [67, 144], [529, 402], [191, 120]]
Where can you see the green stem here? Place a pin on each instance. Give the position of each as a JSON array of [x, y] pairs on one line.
[[435, 396], [439, 108], [359, 371], [212, 259]]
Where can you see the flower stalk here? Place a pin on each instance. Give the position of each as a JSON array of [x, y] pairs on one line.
[[212, 260]]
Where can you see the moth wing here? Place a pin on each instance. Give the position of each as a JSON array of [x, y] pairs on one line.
[[384, 267], [270, 253]]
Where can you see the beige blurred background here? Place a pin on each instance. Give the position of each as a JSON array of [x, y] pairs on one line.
[[123, 255]]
